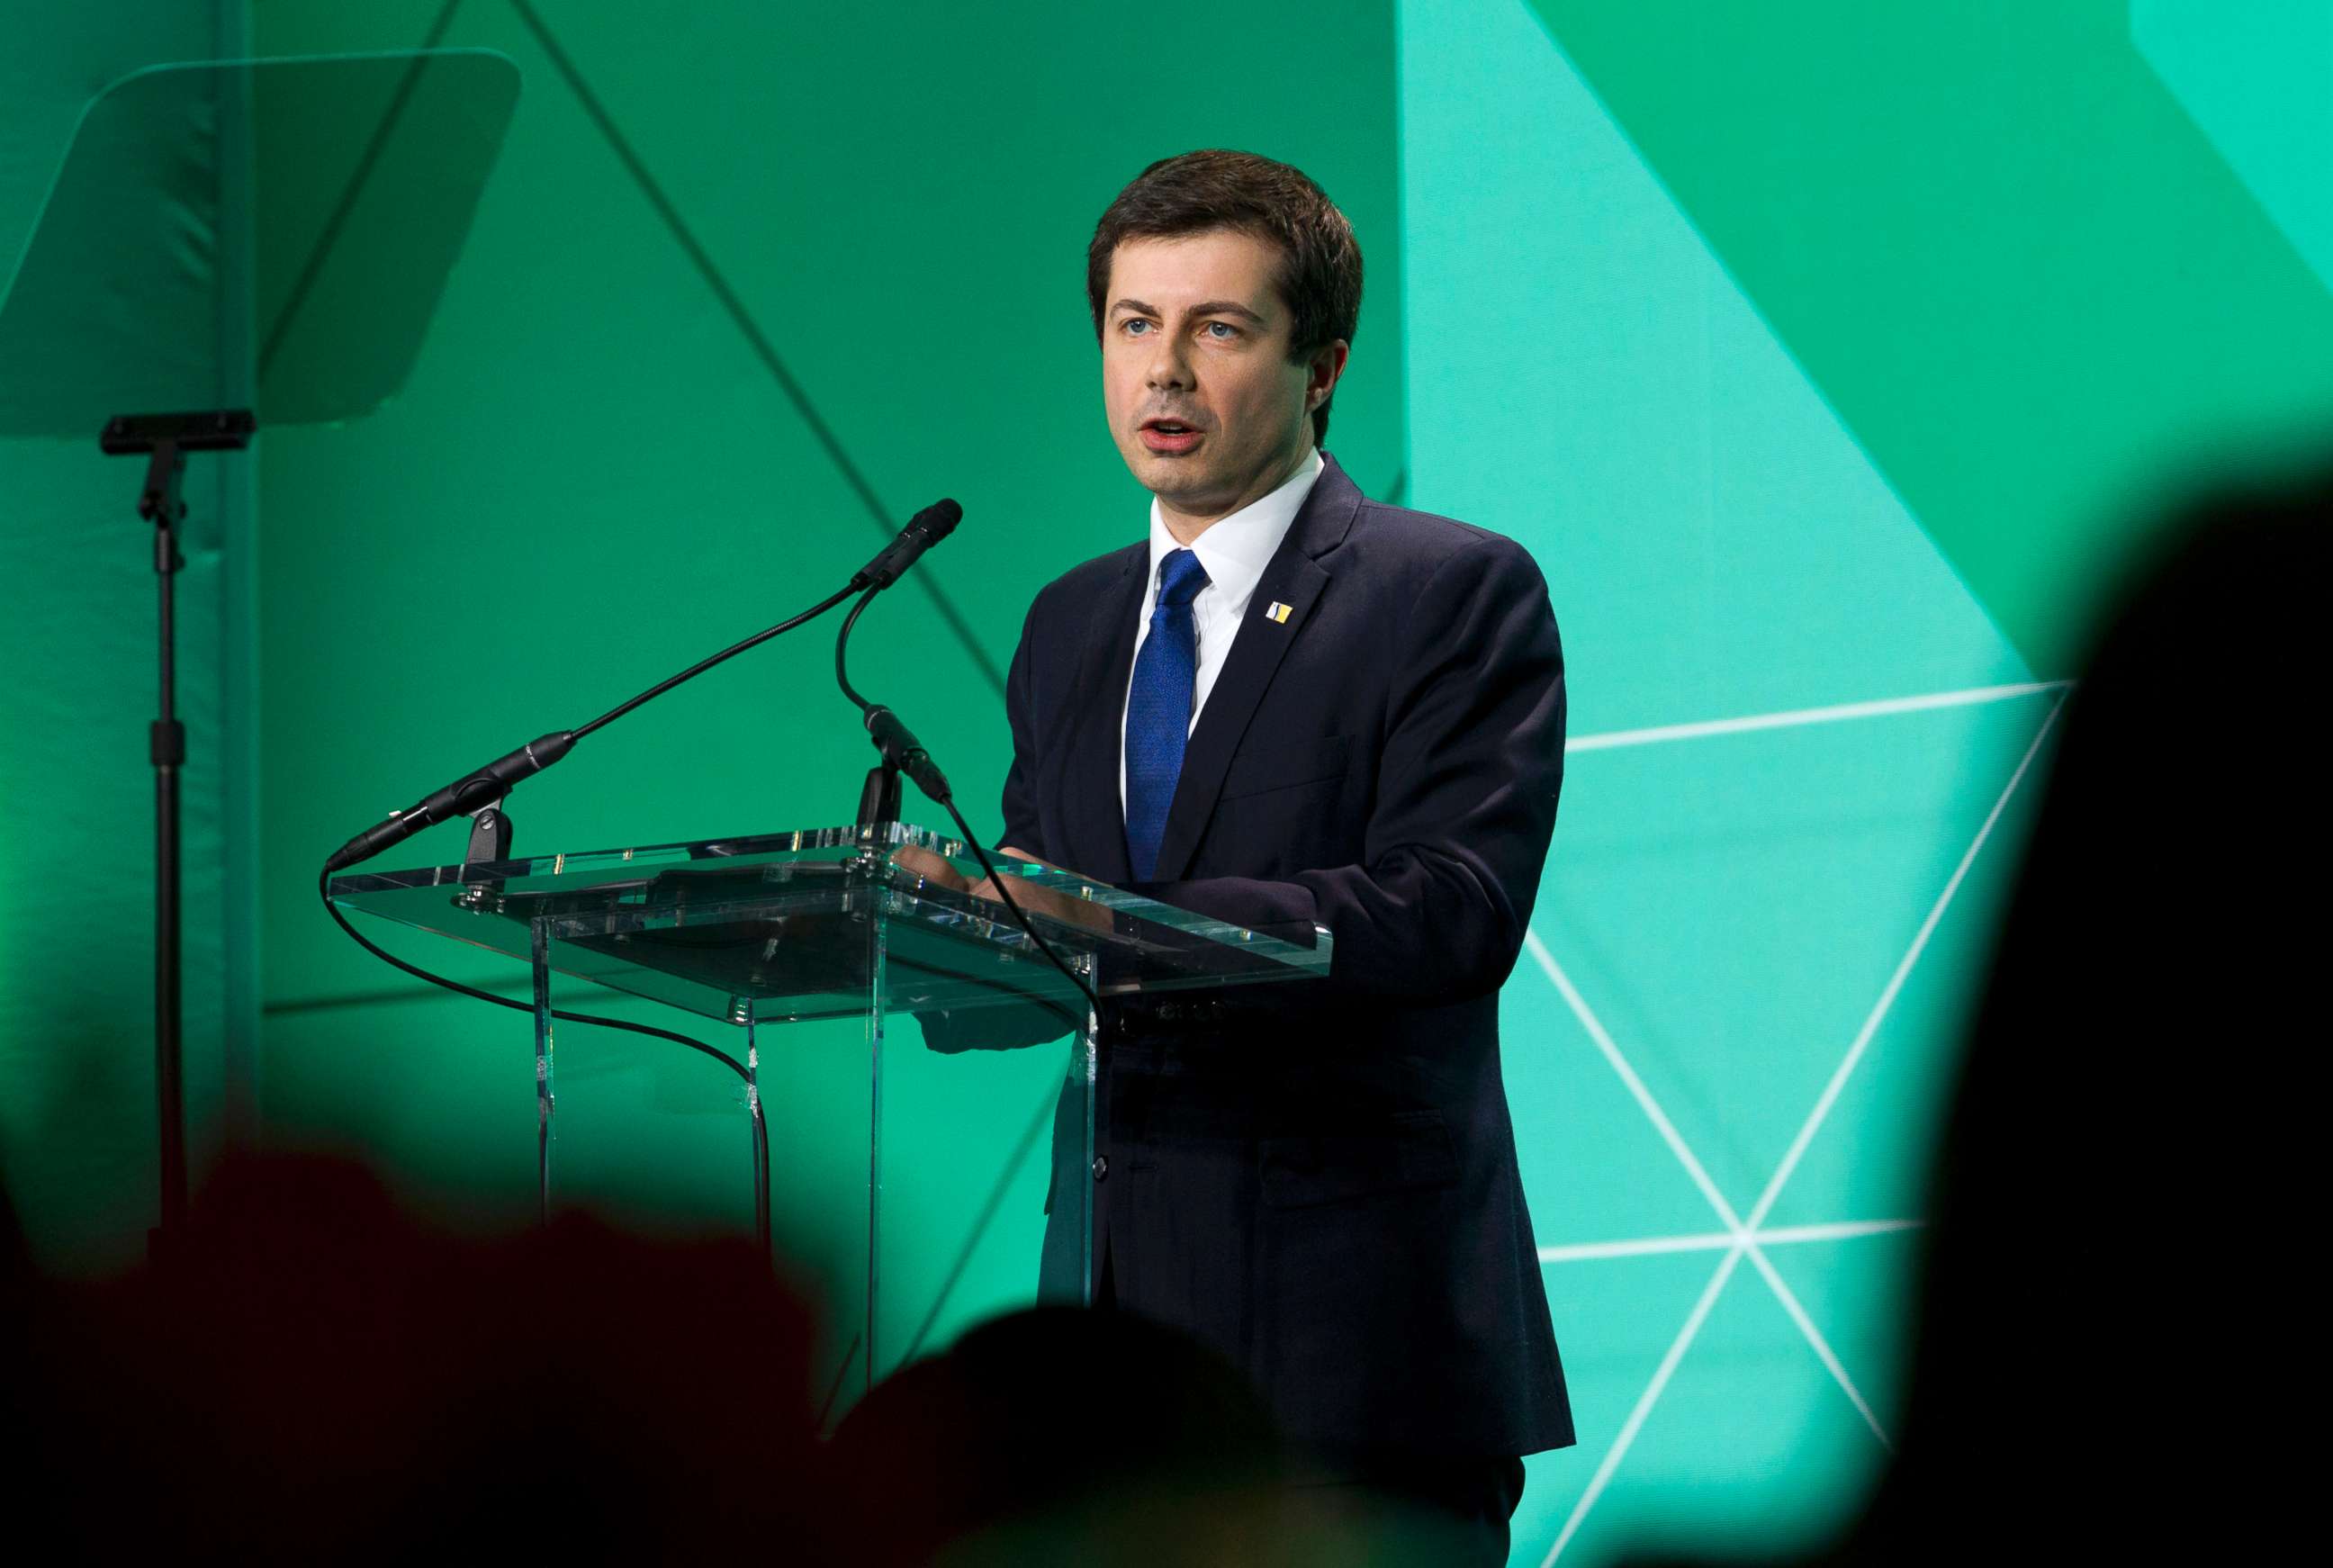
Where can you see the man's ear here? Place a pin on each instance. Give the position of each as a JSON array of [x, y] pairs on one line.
[[1327, 369]]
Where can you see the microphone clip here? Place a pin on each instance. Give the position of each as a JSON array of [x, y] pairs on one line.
[[904, 754], [490, 837]]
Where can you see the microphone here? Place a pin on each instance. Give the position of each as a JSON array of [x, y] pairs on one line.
[[924, 530], [903, 751], [482, 788], [472, 792]]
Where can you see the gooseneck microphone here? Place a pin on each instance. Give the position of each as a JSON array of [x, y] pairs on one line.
[[474, 793], [924, 530], [483, 787], [903, 751]]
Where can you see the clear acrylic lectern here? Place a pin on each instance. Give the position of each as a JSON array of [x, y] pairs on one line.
[[824, 933]]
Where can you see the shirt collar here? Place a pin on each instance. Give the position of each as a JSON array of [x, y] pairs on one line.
[[1235, 549]]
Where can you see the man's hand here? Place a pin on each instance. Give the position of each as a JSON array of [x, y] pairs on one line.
[[934, 869], [1033, 897], [1037, 898]]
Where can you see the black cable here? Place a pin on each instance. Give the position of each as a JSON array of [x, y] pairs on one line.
[[947, 799], [701, 666], [761, 1123], [484, 786], [842, 642], [988, 870]]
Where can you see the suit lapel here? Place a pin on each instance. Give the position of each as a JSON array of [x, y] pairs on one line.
[[1091, 810], [1294, 578]]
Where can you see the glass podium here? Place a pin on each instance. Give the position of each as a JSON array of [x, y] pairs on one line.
[[813, 951]]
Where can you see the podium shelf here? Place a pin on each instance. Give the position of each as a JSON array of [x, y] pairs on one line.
[[776, 927]]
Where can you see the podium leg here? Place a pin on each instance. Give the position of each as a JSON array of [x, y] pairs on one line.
[[878, 1004], [1088, 1070], [759, 1135], [543, 1104]]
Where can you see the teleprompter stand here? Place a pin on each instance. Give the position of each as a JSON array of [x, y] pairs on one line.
[[164, 440], [262, 242]]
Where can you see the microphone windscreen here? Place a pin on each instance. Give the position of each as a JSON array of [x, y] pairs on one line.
[[939, 519]]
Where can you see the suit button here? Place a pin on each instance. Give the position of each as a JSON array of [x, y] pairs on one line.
[[1169, 1012], [1101, 1167]]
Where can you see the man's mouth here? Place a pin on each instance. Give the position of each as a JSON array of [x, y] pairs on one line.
[[1169, 435]]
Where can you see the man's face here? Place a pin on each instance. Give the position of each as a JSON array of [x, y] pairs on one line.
[[1194, 339]]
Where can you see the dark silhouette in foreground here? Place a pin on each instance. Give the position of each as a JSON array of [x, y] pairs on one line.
[[2114, 1332], [1064, 1436], [1049, 1424], [315, 1378]]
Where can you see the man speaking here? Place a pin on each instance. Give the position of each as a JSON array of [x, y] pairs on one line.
[[1293, 705]]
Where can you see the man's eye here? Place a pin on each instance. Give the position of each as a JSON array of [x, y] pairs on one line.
[[1226, 333], [1127, 326]]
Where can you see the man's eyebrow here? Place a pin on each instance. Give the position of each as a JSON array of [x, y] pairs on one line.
[[1208, 308]]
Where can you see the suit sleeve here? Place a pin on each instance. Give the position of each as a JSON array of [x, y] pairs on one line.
[[1471, 767], [1021, 824]]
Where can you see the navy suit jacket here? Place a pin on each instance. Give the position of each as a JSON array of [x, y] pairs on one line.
[[1318, 1179]]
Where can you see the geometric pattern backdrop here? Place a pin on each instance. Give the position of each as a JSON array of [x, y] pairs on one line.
[[1775, 334], [1825, 357]]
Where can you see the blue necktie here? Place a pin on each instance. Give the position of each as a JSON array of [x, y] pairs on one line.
[[1158, 709]]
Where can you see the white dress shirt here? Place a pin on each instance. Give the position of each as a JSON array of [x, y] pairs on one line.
[[1233, 551]]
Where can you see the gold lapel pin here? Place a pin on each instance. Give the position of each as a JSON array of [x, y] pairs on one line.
[[1277, 612]]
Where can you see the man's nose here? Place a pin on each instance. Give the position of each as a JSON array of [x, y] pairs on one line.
[[1167, 366]]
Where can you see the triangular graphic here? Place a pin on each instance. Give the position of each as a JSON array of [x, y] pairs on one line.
[[1718, 546], [2253, 75], [1617, 1319], [1565, 1104], [1733, 957], [2004, 252], [1860, 1293], [1715, 542], [1870, 1159], [1751, 1442]]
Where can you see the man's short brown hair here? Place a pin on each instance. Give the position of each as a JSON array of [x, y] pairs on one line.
[[1320, 261]]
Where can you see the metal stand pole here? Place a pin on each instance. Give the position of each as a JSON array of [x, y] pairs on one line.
[[165, 440], [167, 747]]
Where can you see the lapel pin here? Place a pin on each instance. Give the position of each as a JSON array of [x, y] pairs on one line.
[[1278, 612]]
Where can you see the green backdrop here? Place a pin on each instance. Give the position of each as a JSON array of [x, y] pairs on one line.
[[77, 636], [1823, 354]]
